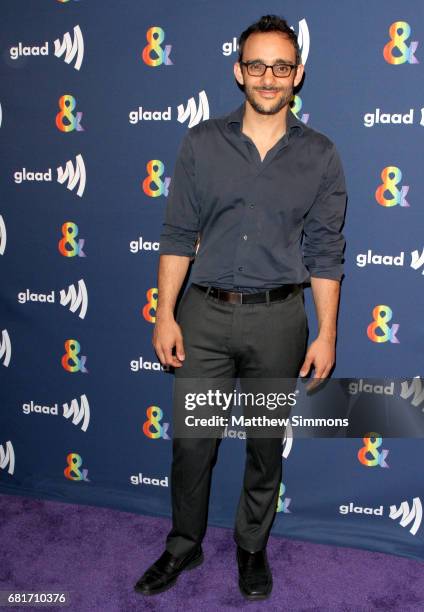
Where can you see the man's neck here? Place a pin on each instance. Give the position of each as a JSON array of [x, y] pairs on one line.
[[264, 127]]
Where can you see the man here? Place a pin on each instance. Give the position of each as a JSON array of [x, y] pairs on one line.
[[247, 185]]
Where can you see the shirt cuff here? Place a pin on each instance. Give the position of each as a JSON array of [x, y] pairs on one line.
[[175, 241], [331, 272]]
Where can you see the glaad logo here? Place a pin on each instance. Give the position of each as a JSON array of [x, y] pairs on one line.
[[195, 113], [381, 315], [363, 387], [154, 416], [155, 169], [371, 119], [147, 115], [414, 389], [296, 107], [72, 472], [79, 412], [32, 175], [346, 509], [408, 388], [153, 54], [7, 457], [303, 39], [76, 299], [409, 515], [74, 176], [371, 443], [230, 47], [3, 236], [143, 245], [29, 296], [287, 440], [283, 505], [68, 246], [71, 48], [141, 364], [138, 479], [417, 260], [370, 258], [149, 309], [396, 51], [391, 177], [67, 104], [233, 433], [5, 348], [364, 259], [20, 50]]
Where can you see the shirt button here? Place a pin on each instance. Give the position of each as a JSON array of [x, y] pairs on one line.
[[251, 206], [245, 237], [241, 268]]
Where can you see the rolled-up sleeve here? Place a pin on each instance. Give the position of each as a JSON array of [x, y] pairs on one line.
[[323, 242], [181, 225]]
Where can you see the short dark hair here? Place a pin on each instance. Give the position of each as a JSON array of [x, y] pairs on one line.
[[270, 23]]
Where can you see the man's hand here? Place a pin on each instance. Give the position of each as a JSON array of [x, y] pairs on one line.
[[166, 335], [321, 354]]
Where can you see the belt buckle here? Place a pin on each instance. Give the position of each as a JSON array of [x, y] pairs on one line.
[[234, 297]]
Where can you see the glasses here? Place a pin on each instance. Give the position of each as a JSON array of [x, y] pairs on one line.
[[278, 70]]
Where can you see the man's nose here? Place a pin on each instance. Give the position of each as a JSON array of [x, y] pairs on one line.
[[268, 76]]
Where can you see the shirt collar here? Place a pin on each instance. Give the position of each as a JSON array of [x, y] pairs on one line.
[[293, 123]]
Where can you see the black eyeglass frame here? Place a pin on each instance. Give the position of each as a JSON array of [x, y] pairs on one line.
[[266, 66]]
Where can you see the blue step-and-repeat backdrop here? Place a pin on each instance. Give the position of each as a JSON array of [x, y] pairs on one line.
[[95, 98]]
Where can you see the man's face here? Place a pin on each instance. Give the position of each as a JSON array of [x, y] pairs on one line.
[[268, 94]]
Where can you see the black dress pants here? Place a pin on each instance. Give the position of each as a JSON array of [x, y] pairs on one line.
[[227, 341]]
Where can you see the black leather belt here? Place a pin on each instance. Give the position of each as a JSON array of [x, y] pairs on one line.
[[233, 297]]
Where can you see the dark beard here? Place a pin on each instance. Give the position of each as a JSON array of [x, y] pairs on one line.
[[285, 99]]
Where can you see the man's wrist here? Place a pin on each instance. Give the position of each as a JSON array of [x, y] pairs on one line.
[[164, 313], [329, 335]]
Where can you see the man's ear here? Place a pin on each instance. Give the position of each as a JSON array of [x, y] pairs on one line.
[[299, 74], [238, 74]]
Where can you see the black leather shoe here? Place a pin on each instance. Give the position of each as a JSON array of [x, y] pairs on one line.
[[255, 578], [163, 574]]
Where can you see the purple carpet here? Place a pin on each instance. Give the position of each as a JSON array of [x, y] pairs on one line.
[[97, 554]]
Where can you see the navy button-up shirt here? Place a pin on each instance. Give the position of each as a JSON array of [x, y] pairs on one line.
[[261, 224]]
